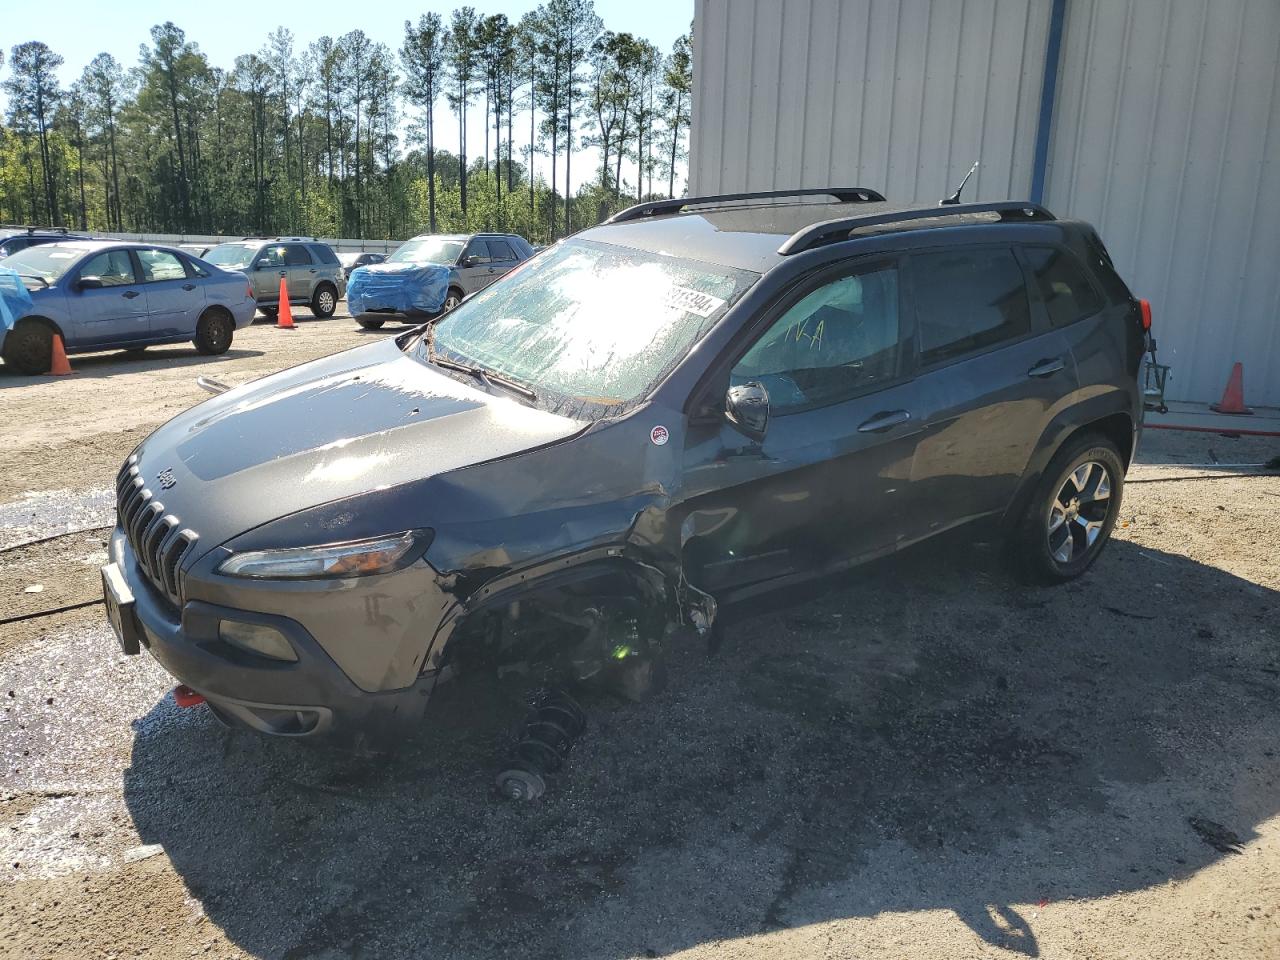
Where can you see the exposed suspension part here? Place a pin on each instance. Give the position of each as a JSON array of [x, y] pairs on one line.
[[543, 743]]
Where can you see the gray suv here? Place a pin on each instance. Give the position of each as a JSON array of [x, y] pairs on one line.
[[475, 261], [656, 421], [311, 270]]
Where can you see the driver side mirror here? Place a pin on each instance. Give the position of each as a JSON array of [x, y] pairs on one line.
[[746, 406], [467, 262], [90, 283]]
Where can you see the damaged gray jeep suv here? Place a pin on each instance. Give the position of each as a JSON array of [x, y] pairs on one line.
[[585, 463]]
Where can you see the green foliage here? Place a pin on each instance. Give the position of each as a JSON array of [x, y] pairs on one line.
[[338, 139]]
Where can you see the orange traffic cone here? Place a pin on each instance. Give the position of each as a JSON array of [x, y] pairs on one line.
[[284, 319], [1233, 397], [58, 365]]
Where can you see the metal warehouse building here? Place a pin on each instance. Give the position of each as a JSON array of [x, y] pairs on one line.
[[1156, 120]]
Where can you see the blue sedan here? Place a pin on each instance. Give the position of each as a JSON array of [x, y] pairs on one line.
[[104, 294]]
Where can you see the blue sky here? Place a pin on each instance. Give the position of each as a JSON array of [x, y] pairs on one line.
[[83, 28]]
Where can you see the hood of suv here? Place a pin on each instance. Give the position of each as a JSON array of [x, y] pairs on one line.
[[359, 421], [400, 267]]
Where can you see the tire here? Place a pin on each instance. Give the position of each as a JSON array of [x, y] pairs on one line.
[[1067, 523], [214, 333], [324, 302], [28, 348], [271, 313], [371, 324], [451, 300]]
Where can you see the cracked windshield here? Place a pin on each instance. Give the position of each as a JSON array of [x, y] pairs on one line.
[[590, 321]]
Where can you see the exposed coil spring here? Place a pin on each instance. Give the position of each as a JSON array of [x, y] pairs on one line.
[[545, 738]]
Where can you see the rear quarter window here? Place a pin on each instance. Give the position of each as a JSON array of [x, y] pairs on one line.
[[1064, 286]]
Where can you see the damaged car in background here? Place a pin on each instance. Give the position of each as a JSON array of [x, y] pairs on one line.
[[590, 460]]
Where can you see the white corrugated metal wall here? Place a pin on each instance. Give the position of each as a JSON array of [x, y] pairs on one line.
[[1164, 135], [897, 95]]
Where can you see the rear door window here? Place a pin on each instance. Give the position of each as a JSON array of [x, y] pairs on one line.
[[1067, 293], [295, 255], [323, 254], [967, 301], [500, 250], [160, 265]]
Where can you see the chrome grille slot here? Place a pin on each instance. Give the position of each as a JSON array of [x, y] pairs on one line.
[[171, 554], [148, 525], [130, 499], [159, 541], [152, 541], [141, 518]]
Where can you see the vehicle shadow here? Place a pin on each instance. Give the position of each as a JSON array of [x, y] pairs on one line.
[[925, 735], [111, 363]]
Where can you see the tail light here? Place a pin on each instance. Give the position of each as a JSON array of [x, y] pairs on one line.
[[248, 291], [1146, 314]]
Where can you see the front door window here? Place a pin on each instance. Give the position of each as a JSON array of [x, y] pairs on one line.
[[839, 340]]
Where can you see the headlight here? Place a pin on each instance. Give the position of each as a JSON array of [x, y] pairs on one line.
[[357, 558]]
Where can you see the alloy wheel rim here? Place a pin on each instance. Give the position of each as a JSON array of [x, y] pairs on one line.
[[450, 302], [1078, 513], [326, 301]]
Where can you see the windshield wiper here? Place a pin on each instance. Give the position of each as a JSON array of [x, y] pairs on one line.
[[486, 376]]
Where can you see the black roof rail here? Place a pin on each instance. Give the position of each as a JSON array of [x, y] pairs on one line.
[[828, 231], [655, 207]]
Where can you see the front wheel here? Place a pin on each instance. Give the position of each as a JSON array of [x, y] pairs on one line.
[[1071, 514], [371, 324], [213, 334], [324, 302], [29, 348], [270, 313], [452, 300]]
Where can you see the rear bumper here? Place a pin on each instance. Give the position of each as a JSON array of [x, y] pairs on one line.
[[309, 697], [397, 316]]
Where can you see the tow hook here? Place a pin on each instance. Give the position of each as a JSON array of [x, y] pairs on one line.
[[543, 743], [185, 697]]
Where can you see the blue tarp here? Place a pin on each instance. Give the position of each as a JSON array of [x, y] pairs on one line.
[[15, 301], [405, 287]]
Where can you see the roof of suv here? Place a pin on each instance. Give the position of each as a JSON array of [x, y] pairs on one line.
[[758, 234], [462, 236], [88, 245]]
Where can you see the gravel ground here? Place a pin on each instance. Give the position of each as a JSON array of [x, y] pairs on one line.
[[924, 759]]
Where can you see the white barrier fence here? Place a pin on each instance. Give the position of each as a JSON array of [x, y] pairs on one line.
[[339, 244]]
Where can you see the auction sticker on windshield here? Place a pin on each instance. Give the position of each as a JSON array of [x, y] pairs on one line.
[[693, 301]]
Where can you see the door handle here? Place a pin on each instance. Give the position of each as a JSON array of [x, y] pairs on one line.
[[1047, 368], [129, 294], [883, 421], [284, 273], [493, 270], [188, 286], [313, 269]]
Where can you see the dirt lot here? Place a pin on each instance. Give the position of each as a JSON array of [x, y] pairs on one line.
[[925, 759]]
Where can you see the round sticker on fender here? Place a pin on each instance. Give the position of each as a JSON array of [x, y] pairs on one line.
[[659, 435]]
